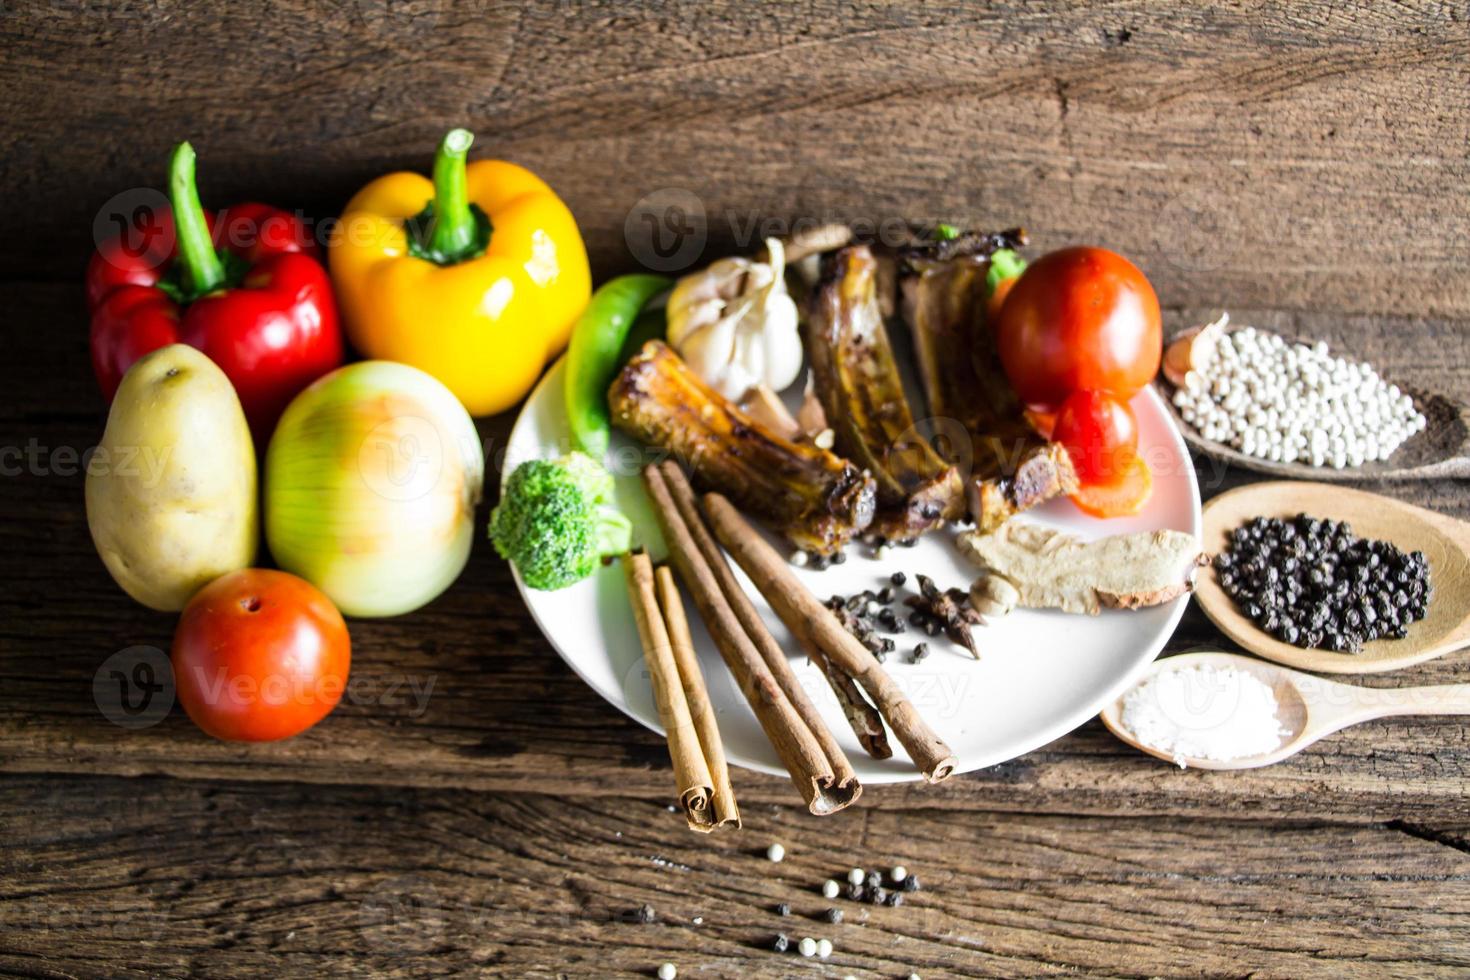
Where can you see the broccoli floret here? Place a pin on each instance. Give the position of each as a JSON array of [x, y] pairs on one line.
[[555, 521], [595, 481]]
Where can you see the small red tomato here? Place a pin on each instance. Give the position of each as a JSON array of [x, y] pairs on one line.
[[1122, 498], [1100, 434], [260, 655], [1080, 318]]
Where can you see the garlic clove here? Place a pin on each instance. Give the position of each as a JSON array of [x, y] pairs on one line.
[[1193, 350], [763, 405], [811, 417], [993, 595]]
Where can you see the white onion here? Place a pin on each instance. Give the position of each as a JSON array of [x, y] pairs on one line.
[[371, 481]]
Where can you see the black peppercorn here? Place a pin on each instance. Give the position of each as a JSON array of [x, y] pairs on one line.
[[781, 944], [1313, 583], [783, 909], [834, 916]]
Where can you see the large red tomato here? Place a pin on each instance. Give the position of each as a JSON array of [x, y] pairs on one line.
[[1079, 318], [260, 655]]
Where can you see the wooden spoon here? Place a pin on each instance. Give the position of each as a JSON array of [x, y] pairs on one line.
[[1307, 707], [1444, 540], [1441, 451]]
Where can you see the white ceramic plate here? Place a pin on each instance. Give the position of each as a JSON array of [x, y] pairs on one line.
[[1042, 674]]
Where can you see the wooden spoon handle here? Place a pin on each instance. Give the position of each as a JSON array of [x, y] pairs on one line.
[[1441, 699]]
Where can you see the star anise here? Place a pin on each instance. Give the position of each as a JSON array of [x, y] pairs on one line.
[[949, 610]]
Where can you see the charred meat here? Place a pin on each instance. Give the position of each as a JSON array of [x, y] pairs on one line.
[[980, 423], [814, 498], [858, 384]]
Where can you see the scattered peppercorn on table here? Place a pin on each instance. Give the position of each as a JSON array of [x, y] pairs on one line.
[[472, 807]]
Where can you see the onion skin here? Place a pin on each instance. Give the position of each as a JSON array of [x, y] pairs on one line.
[[371, 482]]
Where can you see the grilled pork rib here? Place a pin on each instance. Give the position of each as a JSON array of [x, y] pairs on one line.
[[817, 500], [978, 417], [862, 395]]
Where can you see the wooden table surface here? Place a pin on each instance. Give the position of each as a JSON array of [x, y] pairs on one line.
[[473, 808]]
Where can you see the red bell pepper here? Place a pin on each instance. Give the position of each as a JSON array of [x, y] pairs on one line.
[[239, 286]]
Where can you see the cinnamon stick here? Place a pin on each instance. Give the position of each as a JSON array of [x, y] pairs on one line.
[[817, 629], [795, 744], [701, 712], [750, 619], [864, 719], [691, 773]]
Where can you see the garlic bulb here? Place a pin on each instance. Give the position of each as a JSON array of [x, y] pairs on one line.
[[735, 324]]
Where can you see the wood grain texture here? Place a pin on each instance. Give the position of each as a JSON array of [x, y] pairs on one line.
[[1310, 155], [133, 878], [466, 692]]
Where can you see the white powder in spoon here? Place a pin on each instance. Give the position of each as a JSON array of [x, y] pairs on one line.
[[1204, 712]]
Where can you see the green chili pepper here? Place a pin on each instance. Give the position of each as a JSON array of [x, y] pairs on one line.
[[597, 342], [650, 325]]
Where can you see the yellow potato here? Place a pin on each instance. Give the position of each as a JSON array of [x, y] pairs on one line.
[[171, 490]]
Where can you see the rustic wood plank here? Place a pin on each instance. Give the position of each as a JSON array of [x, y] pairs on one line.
[[120, 878], [1300, 156], [505, 714]]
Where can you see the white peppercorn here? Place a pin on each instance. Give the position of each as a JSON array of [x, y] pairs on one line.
[[1294, 403]]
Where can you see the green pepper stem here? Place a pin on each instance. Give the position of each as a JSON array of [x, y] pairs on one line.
[[203, 272], [452, 232], [1004, 264]]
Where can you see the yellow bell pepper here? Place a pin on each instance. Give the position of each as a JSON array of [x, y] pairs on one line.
[[476, 277]]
